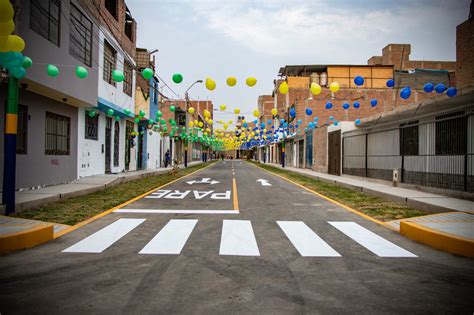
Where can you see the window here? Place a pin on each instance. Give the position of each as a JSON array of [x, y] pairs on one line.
[[451, 134], [111, 6], [155, 92], [128, 24], [409, 138], [116, 143], [110, 56], [22, 132], [128, 75], [91, 127], [181, 119], [57, 134], [80, 37], [44, 18]]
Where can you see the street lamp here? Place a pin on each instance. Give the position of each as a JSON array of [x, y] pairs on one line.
[[186, 99]]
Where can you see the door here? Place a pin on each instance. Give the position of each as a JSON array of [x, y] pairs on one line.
[[309, 149], [334, 152], [128, 140], [300, 153], [108, 143], [116, 143], [140, 151]]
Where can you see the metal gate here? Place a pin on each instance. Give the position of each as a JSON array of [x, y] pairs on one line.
[[309, 149]]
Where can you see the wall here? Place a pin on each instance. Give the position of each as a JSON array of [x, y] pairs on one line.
[[91, 159], [465, 54]]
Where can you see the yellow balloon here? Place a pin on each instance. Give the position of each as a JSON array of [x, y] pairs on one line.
[[16, 43], [274, 111], [210, 122], [196, 123], [225, 126], [230, 122], [207, 113], [191, 124], [315, 88], [220, 121], [191, 110], [334, 87], [210, 84], [6, 11], [231, 81], [251, 81], [283, 88], [6, 28], [223, 107], [200, 124], [256, 113], [236, 111]]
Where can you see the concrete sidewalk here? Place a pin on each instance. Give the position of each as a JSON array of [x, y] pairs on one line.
[[429, 202], [33, 198]]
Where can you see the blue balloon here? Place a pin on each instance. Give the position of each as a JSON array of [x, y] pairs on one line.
[[358, 80], [328, 105], [285, 125], [309, 111], [440, 88], [282, 120], [346, 105], [405, 92], [299, 121], [373, 102], [452, 91], [356, 105], [336, 123], [255, 121], [390, 83], [245, 125], [316, 118], [292, 112], [428, 87], [269, 121], [262, 125], [357, 121], [331, 117]]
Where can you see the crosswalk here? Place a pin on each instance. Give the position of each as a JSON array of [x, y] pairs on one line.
[[238, 238]]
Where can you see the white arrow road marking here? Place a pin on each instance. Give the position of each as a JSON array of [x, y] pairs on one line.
[[264, 182], [203, 181]]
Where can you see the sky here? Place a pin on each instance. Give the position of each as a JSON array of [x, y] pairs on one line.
[[242, 38]]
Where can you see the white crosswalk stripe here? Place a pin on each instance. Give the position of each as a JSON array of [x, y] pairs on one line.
[[376, 244], [238, 238], [171, 239]]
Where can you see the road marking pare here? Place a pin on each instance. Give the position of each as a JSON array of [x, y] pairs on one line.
[[198, 195]]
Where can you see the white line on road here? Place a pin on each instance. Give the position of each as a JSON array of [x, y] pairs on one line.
[[171, 239], [376, 244], [177, 211], [238, 239], [104, 238], [264, 182], [308, 243]]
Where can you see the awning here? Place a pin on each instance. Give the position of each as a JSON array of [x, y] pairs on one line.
[[105, 105]]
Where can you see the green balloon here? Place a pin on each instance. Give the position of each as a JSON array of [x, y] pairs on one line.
[[127, 111], [27, 62], [147, 73], [81, 72], [141, 113], [117, 118], [91, 113], [137, 120], [177, 78], [52, 70], [171, 134], [118, 76], [110, 112], [162, 121], [172, 108], [159, 114], [151, 122]]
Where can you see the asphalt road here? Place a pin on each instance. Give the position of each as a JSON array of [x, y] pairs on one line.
[[193, 248]]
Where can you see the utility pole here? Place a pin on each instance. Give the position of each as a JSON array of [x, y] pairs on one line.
[[9, 161]]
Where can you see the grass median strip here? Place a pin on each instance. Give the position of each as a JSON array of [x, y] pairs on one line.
[[75, 210], [375, 207]]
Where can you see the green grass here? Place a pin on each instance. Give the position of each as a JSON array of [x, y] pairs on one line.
[[75, 210], [374, 207]]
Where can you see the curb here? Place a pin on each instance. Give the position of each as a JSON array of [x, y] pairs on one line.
[[26, 239], [439, 240]]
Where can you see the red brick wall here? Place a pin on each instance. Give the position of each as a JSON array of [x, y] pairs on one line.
[[465, 54]]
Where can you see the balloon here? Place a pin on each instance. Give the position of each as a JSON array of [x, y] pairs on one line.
[[292, 112], [6, 11], [191, 110], [172, 108], [283, 88], [373, 102], [309, 111], [328, 105], [27, 62], [141, 113], [315, 88], [18, 72], [356, 105], [269, 122], [207, 113], [236, 111], [331, 117], [357, 121], [6, 28], [299, 122], [346, 105], [159, 113], [200, 124], [256, 113], [52, 70], [251, 81], [440, 88], [231, 81], [210, 122], [177, 78], [358, 80], [274, 111], [451, 92], [405, 92], [16, 43], [118, 76], [117, 118], [336, 123], [390, 83], [147, 73], [81, 72], [191, 124], [210, 84], [334, 87], [151, 121], [136, 120], [428, 87], [127, 111], [91, 113], [110, 112], [223, 107]]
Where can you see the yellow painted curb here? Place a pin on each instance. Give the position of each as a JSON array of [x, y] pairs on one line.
[[26, 239], [443, 241], [102, 214]]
